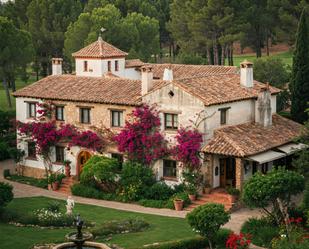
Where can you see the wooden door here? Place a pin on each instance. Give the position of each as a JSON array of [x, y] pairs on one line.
[[222, 172], [83, 157]]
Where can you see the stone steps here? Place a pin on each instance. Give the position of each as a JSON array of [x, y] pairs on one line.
[[66, 185], [216, 196]]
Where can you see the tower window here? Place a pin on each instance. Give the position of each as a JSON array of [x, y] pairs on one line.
[[109, 66], [116, 66], [85, 66]]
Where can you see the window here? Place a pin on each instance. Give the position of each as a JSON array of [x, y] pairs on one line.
[[59, 113], [171, 121], [223, 115], [264, 168], [31, 150], [169, 168], [117, 118], [85, 115], [85, 66], [109, 66], [31, 110], [254, 167], [116, 66], [59, 154]]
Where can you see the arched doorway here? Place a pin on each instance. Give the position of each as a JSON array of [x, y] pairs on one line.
[[82, 158]]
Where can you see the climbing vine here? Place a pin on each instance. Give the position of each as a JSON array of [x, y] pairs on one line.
[[141, 139]]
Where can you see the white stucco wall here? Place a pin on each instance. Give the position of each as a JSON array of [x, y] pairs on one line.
[[132, 73], [98, 67], [239, 112], [185, 105], [22, 108]]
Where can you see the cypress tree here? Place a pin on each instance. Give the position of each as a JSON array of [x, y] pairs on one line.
[[299, 85]]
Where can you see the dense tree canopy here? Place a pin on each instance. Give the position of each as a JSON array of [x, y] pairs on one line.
[[299, 85], [203, 31], [135, 33]]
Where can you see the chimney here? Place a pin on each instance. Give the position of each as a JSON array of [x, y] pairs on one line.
[[264, 115], [168, 74], [57, 66], [147, 79], [246, 73]]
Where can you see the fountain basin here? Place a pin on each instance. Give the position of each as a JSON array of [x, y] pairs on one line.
[[86, 245]]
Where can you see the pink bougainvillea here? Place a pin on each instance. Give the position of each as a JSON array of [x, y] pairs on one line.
[[188, 147], [47, 134], [141, 139]]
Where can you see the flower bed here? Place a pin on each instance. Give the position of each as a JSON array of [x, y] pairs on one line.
[[41, 183]]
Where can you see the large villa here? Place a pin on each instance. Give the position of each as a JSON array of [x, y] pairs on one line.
[[243, 133]]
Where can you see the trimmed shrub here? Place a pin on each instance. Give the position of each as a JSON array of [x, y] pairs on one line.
[[194, 243], [40, 183], [207, 220], [79, 189], [305, 203], [123, 226], [102, 170], [262, 231], [6, 194], [159, 191], [4, 150], [135, 181], [153, 203], [6, 173]]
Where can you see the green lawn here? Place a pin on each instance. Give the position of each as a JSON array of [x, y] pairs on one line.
[[19, 84], [287, 58], [161, 228]]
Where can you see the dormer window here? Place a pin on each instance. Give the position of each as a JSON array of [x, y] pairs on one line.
[[85, 66], [116, 66], [109, 66]]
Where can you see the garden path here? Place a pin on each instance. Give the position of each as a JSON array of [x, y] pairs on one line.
[[23, 190]]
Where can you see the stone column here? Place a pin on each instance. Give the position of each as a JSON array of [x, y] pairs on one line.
[[239, 167], [209, 163]]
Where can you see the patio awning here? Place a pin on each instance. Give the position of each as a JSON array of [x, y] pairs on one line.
[[267, 156], [292, 148]]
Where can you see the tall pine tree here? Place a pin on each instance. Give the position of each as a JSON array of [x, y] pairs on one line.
[[299, 85]]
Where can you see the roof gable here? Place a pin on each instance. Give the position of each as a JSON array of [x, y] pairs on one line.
[[99, 49]]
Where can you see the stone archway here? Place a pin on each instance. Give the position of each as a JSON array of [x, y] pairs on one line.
[[82, 158]]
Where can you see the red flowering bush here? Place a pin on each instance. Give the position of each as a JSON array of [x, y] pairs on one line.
[[46, 110], [241, 241], [141, 139], [46, 135], [188, 147]]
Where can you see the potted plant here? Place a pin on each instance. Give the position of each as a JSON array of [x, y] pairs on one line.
[[233, 194], [59, 178], [67, 167], [191, 190], [178, 204], [52, 179], [207, 188]]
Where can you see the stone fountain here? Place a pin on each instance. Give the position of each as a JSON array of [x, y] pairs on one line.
[[79, 239]]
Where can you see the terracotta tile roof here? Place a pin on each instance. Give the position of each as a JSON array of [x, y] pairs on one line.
[[181, 71], [99, 49], [134, 63], [85, 89], [222, 88], [251, 138]]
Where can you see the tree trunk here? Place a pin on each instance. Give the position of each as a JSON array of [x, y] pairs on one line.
[[13, 85], [267, 45], [7, 92], [210, 244], [216, 53]]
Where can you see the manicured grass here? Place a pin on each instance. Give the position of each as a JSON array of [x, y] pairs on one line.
[[287, 58], [19, 84], [161, 228]]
